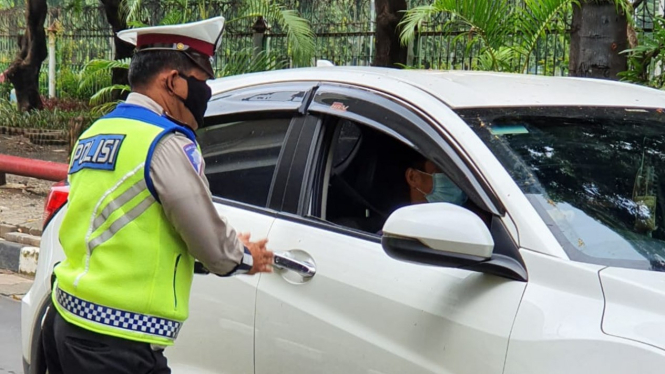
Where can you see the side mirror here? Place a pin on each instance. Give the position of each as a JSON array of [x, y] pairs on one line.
[[438, 234]]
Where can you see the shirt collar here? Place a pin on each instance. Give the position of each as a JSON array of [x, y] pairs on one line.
[[142, 100]]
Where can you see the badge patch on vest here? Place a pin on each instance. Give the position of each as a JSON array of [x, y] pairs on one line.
[[99, 152], [194, 156]]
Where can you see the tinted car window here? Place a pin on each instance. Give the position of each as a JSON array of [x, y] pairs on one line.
[[595, 175], [348, 140], [241, 158]]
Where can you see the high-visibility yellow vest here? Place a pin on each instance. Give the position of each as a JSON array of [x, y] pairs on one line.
[[128, 272]]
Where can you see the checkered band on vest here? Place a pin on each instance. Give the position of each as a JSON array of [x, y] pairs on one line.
[[117, 318]]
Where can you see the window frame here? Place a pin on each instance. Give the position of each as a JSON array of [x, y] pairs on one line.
[[423, 130], [267, 110], [428, 140], [506, 259]]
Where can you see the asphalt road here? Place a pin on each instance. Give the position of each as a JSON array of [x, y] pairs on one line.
[[10, 337]]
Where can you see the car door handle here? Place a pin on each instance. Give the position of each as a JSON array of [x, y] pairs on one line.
[[284, 260]]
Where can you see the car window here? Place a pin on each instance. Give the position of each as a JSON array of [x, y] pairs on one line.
[[365, 174], [280, 97], [241, 157], [595, 175], [347, 142]]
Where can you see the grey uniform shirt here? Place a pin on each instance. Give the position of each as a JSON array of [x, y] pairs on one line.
[[184, 193]]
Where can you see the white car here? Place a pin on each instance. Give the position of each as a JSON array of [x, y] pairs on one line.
[[553, 265]]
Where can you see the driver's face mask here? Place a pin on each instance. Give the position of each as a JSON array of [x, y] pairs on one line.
[[443, 190]]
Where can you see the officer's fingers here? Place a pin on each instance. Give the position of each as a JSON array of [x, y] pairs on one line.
[[244, 238], [261, 243]]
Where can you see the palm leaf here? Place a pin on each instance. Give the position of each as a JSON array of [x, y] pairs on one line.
[[95, 69], [300, 37], [136, 24], [173, 17], [413, 19], [103, 109], [486, 20], [534, 20], [131, 10], [245, 61], [299, 34], [105, 95]]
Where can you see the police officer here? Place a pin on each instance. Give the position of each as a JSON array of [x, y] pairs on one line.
[[140, 212]]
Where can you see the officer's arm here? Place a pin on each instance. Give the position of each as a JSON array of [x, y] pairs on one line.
[[176, 171]]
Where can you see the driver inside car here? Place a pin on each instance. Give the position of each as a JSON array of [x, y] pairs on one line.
[[427, 184]]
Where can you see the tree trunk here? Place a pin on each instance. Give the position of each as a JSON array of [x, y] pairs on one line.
[[389, 50], [122, 49], [23, 72], [598, 36]]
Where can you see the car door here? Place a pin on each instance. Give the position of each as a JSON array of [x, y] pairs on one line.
[[243, 146], [350, 308]]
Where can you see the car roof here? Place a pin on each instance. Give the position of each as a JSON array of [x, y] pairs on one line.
[[473, 89]]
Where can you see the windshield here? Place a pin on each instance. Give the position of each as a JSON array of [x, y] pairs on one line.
[[595, 175]]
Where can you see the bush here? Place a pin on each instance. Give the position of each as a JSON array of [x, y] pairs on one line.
[[67, 84], [65, 104], [53, 118], [5, 90]]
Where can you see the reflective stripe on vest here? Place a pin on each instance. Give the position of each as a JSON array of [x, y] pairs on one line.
[[116, 318]]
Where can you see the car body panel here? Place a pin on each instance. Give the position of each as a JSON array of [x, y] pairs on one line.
[[474, 89], [558, 326], [50, 252], [364, 312], [219, 335], [634, 305]]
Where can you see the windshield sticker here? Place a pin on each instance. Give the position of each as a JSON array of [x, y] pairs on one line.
[[339, 106], [508, 129]]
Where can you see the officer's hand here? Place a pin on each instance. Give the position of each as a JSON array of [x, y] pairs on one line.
[[261, 256]]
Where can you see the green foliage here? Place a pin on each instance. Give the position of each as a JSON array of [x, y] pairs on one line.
[[50, 119], [106, 94], [505, 35], [97, 71], [532, 22], [300, 37], [299, 34], [67, 84], [5, 90], [646, 61], [244, 62], [8, 4]]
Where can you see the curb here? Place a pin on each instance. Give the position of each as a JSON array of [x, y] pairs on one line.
[[18, 258], [10, 254], [19, 248]]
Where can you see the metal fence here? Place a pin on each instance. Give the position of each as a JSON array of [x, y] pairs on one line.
[[344, 35]]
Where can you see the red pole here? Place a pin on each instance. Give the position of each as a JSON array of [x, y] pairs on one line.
[[53, 171]]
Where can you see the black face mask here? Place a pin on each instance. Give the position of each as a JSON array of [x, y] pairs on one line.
[[198, 94]]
